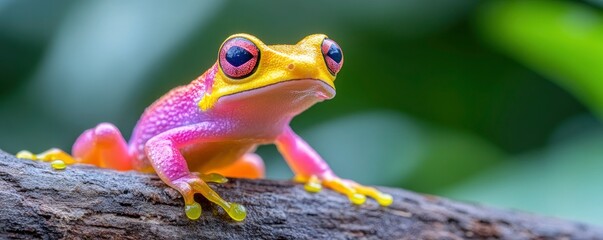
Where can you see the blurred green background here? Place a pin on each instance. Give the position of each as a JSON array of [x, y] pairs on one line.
[[497, 102]]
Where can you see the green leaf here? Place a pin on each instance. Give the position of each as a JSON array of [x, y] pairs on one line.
[[560, 39]]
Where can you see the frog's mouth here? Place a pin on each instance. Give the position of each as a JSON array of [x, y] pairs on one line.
[[295, 95], [298, 88]]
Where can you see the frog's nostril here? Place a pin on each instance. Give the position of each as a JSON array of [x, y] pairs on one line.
[[291, 66]]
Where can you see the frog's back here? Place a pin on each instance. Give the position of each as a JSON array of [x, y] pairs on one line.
[[179, 107]]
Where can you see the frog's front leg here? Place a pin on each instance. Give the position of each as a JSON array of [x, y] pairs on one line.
[[311, 169], [163, 153]]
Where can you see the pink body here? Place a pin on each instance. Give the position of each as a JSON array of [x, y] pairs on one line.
[[174, 134]]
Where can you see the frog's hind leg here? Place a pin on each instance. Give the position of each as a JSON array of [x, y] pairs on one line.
[[103, 146], [249, 166]]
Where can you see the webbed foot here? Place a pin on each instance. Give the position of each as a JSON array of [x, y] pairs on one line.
[[355, 192], [189, 185], [58, 158]]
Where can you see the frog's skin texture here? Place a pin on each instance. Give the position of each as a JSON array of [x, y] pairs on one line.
[[196, 133]]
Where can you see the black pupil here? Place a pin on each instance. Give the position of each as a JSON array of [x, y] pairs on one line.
[[334, 53], [237, 56]]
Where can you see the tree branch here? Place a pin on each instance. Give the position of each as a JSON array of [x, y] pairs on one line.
[[88, 202]]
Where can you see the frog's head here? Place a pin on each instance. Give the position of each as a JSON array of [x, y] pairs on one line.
[[286, 76]]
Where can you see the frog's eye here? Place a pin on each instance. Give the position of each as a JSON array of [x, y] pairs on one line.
[[239, 57], [333, 55]]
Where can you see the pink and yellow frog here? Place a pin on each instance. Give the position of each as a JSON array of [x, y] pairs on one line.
[[210, 128]]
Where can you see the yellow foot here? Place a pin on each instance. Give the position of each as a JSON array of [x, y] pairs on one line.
[[356, 193], [188, 186], [58, 158]]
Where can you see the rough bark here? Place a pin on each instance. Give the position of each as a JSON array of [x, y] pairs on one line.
[[87, 202]]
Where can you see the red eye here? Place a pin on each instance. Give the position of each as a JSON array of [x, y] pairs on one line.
[[239, 57], [333, 55]]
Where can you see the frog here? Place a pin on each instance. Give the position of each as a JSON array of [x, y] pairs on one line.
[[208, 130]]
